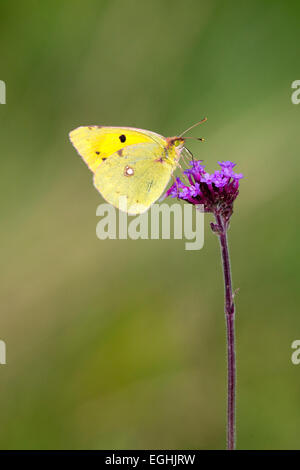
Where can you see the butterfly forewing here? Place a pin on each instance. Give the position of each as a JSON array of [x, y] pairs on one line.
[[96, 143]]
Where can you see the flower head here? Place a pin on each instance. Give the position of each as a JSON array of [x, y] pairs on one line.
[[216, 191]]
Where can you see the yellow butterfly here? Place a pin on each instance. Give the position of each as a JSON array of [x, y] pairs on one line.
[[131, 167]]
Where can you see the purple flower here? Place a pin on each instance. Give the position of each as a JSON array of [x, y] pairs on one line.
[[195, 190], [226, 164], [206, 178], [216, 191]]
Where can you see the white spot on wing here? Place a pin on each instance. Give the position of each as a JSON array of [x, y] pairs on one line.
[[128, 171]]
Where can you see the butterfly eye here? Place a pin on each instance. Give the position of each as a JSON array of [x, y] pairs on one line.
[[122, 138]]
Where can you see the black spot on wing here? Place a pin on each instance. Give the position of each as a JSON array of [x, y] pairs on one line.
[[122, 138]]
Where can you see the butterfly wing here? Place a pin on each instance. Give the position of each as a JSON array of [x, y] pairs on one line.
[[97, 143], [134, 177]]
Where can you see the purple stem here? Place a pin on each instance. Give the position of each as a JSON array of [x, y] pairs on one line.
[[229, 315]]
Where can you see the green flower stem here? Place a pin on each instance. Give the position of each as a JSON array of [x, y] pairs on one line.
[[221, 230]]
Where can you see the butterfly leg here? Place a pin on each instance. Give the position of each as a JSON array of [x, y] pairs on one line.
[[186, 178], [175, 182]]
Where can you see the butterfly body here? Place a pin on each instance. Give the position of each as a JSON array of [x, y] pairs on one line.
[[131, 167]]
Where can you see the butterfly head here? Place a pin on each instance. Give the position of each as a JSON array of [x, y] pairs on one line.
[[179, 141], [176, 141]]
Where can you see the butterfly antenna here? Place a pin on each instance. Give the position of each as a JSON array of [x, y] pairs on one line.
[[195, 138], [194, 125]]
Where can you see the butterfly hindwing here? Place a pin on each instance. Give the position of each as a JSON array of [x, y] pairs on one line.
[[134, 177]]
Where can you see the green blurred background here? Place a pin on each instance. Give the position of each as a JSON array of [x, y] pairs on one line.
[[121, 344]]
